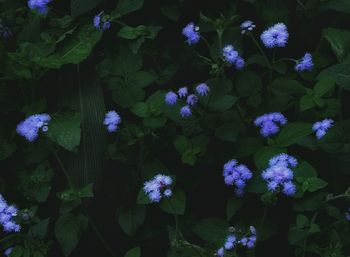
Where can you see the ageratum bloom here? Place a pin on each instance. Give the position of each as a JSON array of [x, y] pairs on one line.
[[4, 31], [305, 63], [236, 174], [321, 127], [158, 187], [8, 251], [182, 92], [101, 22], [247, 25], [39, 5], [347, 215], [29, 128], [279, 174], [191, 32], [249, 241], [231, 56], [275, 36], [202, 89], [269, 122], [7, 214], [192, 100], [185, 111], [112, 120], [171, 98], [230, 242]]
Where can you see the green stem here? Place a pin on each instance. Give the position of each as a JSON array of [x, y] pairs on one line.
[[286, 59], [220, 32], [94, 227], [206, 59], [307, 236], [261, 225], [261, 50], [206, 42], [175, 218], [301, 4]]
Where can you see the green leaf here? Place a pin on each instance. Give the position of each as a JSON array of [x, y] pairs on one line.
[[134, 252], [340, 73], [182, 143], [128, 32], [337, 5], [309, 203], [302, 221], [285, 86], [142, 79], [131, 219], [232, 206], [228, 132], [292, 133], [79, 7], [127, 6], [37, 185], [64, 129], [323, 86], [222, 103], [69, 229], [212, 230], [306, 102], [314, 184], [248, 83], [39, 230], [141, 110], [247, 146], [175, 204], [339, 41], [6, 150], [127, 95], [171, 9]]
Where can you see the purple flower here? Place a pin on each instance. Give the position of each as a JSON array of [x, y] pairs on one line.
[[275, 36], [230, 242], [192, 99], [191, 32], [100, 22], [183, 92], [280, 175], [112, 120], [247, 25], [171, 98], [8, 251], [185, 111], [347, 215], [250, 240], [4, 31], [202, 89], [158, 187], [305, 63], [29, 128], [236, 174], [321, 127], [220, 252], [269, 122], [39, 5], [7, 213], [231, 56]]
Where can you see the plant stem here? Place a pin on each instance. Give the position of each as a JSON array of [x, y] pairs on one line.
[[261, 226], [70, 182], [206, 42], [261, 50], [176, 219], [307, 236], [301, 4], [206, 59]]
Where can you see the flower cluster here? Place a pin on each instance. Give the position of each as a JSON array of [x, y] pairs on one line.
[[269, 123], [247, 25], [275, 36], [101, 22], [39, 5], [321, 127], [231, 56], [7, 212], [232, 241], [112, 120], [236, 174], [191, 99], [279, 174], [305, 63], [347, 215], [158, 187], [8, 251], [191, 32], [4, 31], [29, 128]]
